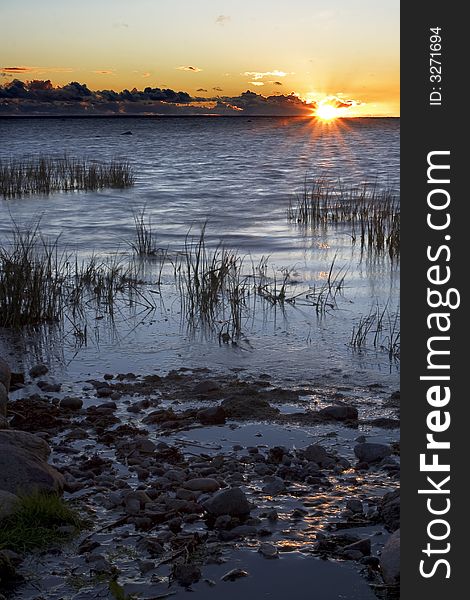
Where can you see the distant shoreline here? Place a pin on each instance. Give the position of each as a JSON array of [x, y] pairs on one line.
[[20, 117]]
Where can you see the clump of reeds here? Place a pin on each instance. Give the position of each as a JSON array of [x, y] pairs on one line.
[[39, 283], [379, 328], [48, 174], [372, 214], [212, 287], [215, 291], [145, 239], [278, 291], [31, 279]]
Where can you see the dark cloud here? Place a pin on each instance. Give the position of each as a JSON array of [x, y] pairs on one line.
[[16, 69], [40, 97], [190, 68], [276, 82], [250, 103], [217, 89]]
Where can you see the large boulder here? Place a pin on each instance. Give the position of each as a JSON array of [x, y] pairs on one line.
[[231, 502], [369, 452], [5, 374], [8, 504], [23, 466], [390, 560], [389, 510]]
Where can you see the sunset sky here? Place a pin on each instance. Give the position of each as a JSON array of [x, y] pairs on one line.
[[314, 48]]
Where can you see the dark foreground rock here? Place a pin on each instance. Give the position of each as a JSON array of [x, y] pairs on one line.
[[215, 415], [23, 464], [231, 502], [389, 510], [369, 452], [390, 560]]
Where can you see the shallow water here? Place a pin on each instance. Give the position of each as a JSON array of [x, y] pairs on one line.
[[239, 174]]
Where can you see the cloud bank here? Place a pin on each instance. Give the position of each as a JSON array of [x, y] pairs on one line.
[[40, 97]]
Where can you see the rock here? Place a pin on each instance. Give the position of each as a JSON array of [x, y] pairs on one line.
[[362, 546], [16, 381], [202, 484], [214, 415], [390, 560], [186, 575], [231, 502], [4, 422], [248, 408], [318, 454], [355, 506], [234, 574], [389, 510], [150, 545], [48, 386], [104, 392], [71, 403], [3, 400], [369, 452], [274, 487], [146, 446], [272, 515], [240, 531], [5, 374], [268, 551], [38, 371], [23, 465], [8, 504], [340, 413], [108, 405], [205, 387]]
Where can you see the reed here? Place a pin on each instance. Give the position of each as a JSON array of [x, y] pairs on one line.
[[48, 174], [145, 239], [373, 215], [380, 329]]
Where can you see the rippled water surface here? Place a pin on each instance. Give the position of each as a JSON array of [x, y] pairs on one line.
[[239, 174]]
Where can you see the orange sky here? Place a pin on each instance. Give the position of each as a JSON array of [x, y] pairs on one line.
[[314, 48]]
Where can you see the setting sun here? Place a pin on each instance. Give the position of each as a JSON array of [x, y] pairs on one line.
[[327, 112]]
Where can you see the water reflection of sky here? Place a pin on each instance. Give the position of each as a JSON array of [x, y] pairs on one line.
[[239, 175]]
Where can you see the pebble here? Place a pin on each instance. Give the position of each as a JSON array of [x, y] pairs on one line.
[[234, 574], [71, 403], [369, 452], [205, 484], [274, 487], [268, 551], [38, 371]]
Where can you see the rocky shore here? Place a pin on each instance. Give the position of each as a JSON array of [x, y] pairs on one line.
[[174, 475]]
